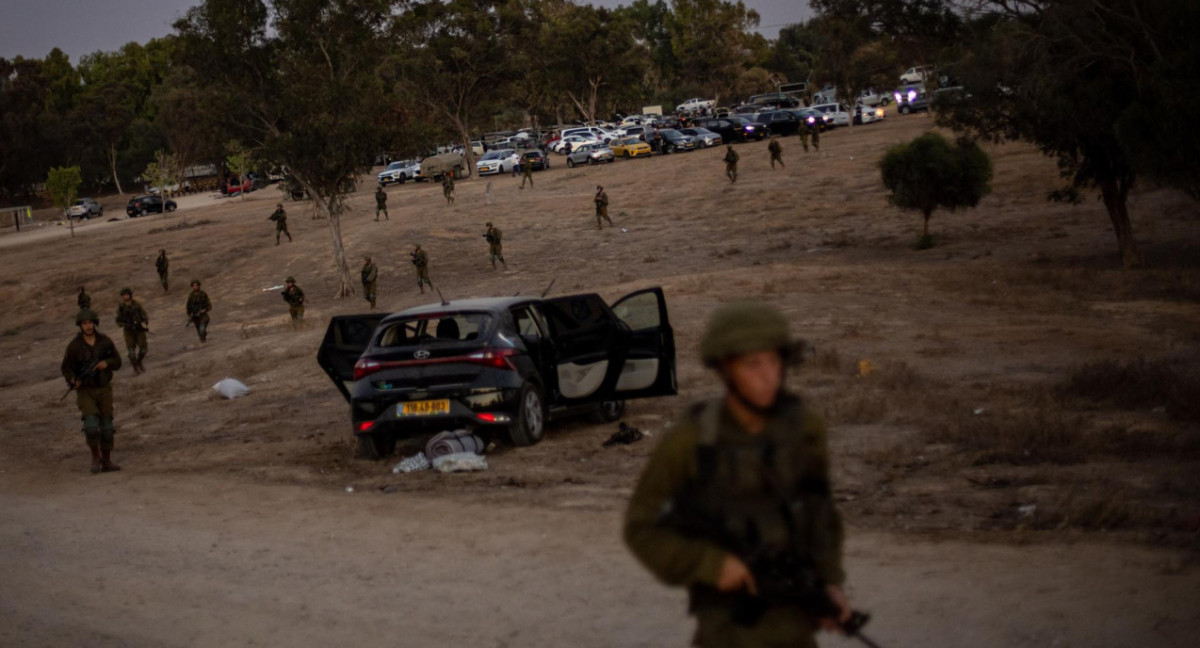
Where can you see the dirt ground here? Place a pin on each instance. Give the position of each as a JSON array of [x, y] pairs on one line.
[[1013, 417]]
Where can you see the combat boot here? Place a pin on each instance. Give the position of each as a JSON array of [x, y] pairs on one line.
[[106, 463], [97, 462]]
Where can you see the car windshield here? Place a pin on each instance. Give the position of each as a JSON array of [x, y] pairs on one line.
[[434, 329], [394, 165], [492, 155], [631, 141]]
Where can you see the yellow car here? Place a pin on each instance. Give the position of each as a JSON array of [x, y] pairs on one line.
[[630, 147]]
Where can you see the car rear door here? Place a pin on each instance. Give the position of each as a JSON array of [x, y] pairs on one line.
[[649, 368], [345, 340], [589, 348]]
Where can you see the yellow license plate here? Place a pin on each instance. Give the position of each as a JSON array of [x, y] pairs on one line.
[[425, 408]]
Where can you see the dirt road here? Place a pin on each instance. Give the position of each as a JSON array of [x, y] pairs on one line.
[[131, 560]]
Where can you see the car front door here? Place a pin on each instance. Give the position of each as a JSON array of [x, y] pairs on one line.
[[589, 349], [345, 340], [649, 368]]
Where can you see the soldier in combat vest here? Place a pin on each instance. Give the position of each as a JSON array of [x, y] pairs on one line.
[[88, 366], [198, 306], [494, 239], [163, 266], [294, 297], [370, 274], [735, 502], [132, 319]]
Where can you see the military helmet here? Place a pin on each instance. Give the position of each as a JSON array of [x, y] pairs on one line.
[[488, 224], [417, 245], [127, 291], [747, 327], [86, 315], [195, 282], [290, 280]]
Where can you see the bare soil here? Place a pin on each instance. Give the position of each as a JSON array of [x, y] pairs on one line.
[[996, 493]]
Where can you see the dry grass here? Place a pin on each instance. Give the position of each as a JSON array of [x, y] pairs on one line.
[[1141, 384]]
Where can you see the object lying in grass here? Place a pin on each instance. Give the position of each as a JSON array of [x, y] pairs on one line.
[[453, 442], [624, 435], [230, 388], [412, 464], [460, 462]]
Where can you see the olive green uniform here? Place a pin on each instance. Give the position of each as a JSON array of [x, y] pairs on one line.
[[495, 246], [816, 136], [163, 266], [731, 162], [803, 132], [198, 306], [751, 480], [526, 172], [448, 188], [370, 274], [134, 322], [380, 203], [776, 150], [421, 263], [602, 209], [280, 218], [294, 297], [94, 393], [84, 300]]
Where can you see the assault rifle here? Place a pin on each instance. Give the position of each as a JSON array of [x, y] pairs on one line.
[[85, 374]]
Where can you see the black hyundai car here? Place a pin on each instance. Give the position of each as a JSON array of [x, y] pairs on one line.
[[500, 365], [148, 204]]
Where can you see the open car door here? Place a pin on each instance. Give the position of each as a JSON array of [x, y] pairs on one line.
[[345, 340], [649, 367], [589, 348]]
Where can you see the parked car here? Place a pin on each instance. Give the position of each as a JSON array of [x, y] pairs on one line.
[[590, 154], [751, 128], [809, 116], [837, 113], [595, 132], [535, 159], [703, 137], [695, 105], [867, 114], [85, 208], [911, 100], [917, 74], [499, 365], [401, 171], [630, 147], [560, 146], [148, 204], [734, 128], [871, 98], [675, 141], [498, 161], [780, 122], [235, 185]]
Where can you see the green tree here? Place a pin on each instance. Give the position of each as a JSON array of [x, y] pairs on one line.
[[164, 172], [712, 41], [239, 160], [592, 51], [62, 183], [930, 172]]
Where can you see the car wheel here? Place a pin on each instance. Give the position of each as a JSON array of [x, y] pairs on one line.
[[170, 207], [609, 411], [904, 110], [531, 417], [402, 179], [375, 446], [570, 163]]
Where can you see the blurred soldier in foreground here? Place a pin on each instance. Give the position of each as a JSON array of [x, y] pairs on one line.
[[448, 187], [88, 365]]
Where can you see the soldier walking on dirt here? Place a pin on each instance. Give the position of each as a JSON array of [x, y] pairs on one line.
[[735, 501], [731, 160], [198, 306], [526, 172], [448, 187], [495, 247], [601, 201], [162, 265], [420, 261], [280, 218], [380, 203], [294, 297], [776, 150], [132, 319], [83, 300], [370, 274], [88, 365], [815, 128], [805, 126]]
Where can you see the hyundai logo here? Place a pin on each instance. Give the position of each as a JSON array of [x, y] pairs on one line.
[[421, 355]]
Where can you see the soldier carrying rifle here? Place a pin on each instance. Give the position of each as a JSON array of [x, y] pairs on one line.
[[88, 366]]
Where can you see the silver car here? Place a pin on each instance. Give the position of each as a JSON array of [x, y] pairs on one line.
[[590, 154], [704, 137]]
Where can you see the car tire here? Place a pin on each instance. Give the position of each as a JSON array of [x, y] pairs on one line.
[[402, 179], [904, 110], [530, 424], [375, 446], [170, 208], [570, 163], [609, 411]]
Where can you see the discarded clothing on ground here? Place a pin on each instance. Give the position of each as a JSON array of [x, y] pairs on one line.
[[230, 388], [412, 464], [624, 435]]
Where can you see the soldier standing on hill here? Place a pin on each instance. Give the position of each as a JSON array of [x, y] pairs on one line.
[[295, 300], [370, 274], [380, 202], [495, 247], [162, 265], [198, 306], [526, 171], [420, 261], [87, 365], [776, 150], [132, 318], [84, 301], [448, 187], [280, 218], [731, 160], [601, 201], [816, 135]]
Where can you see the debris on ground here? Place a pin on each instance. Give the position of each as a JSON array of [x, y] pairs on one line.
[[231, 388], [460, 462], [624, 435], [412, 464], [453, 442]]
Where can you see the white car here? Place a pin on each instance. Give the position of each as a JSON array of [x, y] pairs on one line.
[[575, 140], [595, 132], [499, 161], [868, 114], [400, 171], [917, 74], [85, 208], [694, 105], [837, 112]]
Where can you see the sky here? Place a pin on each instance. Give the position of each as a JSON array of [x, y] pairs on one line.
[[31, 28]]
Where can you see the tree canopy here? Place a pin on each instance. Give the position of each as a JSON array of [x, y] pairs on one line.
[[929, 173]]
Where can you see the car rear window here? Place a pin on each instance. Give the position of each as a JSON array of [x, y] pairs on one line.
[[434, 329]]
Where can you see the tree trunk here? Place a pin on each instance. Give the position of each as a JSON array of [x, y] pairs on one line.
[[1115, 192], [112, 159], [926, 213], [329, 206]]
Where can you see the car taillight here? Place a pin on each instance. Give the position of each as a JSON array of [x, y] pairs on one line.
[[365, 367], [366, 425], [494, 358]]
